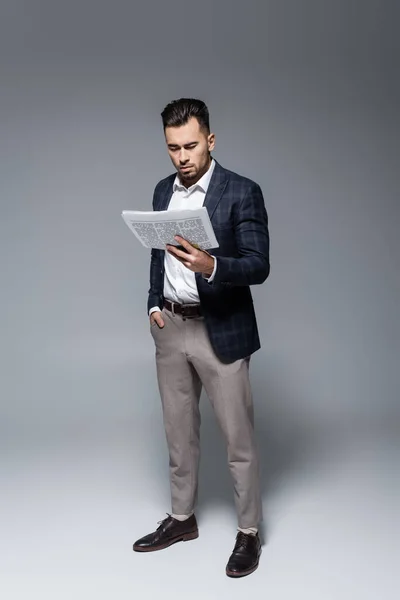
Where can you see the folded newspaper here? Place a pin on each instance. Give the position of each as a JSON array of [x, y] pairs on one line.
[[155, 229]]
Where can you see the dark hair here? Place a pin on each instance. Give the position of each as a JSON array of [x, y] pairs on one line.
[[178, 112]]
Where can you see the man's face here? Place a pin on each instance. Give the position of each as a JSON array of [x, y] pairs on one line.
[[189, 148]]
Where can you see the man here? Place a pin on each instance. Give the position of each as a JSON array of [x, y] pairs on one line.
[[204, 328]]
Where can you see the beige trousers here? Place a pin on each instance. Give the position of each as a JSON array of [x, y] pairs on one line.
[[185, 362]]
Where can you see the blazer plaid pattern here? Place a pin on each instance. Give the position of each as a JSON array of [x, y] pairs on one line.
[[237, 212]]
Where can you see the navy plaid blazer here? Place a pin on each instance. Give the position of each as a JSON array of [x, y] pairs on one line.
[[237, 212]]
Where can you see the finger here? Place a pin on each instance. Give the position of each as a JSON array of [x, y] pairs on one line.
[[187, 245], [184, 261], [159, 320], [155, 316], [179, 254]]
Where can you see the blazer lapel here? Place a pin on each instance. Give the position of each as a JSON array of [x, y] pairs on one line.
[[215, 189]]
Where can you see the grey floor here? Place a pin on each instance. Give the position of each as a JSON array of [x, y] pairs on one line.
[[72, 506]]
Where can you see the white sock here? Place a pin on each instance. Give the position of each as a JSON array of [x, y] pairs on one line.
[[250, 530], [181, 517]]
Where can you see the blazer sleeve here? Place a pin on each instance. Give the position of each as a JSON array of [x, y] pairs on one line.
[[252, 240], [156, 290]]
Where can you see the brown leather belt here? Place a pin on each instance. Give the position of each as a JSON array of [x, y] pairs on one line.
[[188, 311]]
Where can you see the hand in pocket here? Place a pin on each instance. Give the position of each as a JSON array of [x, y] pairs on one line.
[[156, 318]]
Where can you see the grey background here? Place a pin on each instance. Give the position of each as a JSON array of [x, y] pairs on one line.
[[303, 99]]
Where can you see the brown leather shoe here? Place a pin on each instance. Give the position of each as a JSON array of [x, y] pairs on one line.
[[170, 531], [245, 556]]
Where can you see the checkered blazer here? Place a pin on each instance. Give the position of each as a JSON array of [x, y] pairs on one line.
[[237, 212]]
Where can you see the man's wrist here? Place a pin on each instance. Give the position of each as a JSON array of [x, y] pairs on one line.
[[209, 276]]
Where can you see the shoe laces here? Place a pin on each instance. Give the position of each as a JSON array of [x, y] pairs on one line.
[[244, 540], [163, 521]]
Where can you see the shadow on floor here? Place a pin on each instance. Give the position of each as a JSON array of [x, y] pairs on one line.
[[286, 439]]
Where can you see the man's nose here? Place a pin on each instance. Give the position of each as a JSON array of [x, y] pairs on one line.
[[183, 157]]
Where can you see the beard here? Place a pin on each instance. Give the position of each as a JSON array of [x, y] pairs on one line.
[[188, 176], [195, 172]]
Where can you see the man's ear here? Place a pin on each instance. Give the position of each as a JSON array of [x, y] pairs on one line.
[[211, 141]]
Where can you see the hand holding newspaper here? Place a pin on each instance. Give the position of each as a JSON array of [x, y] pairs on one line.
[[155, 229]]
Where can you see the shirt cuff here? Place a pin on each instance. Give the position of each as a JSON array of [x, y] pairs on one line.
[[154, 309], [209, 279]]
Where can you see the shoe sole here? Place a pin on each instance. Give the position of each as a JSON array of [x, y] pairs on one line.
[[186, 537], [243, 573]]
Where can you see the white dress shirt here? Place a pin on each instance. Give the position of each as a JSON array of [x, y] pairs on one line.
[[179, 281]]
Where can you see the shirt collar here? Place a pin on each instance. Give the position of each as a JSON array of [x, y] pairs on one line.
[[202, 183]]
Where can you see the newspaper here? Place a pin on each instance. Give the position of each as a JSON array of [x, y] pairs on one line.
[[155, 229]]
